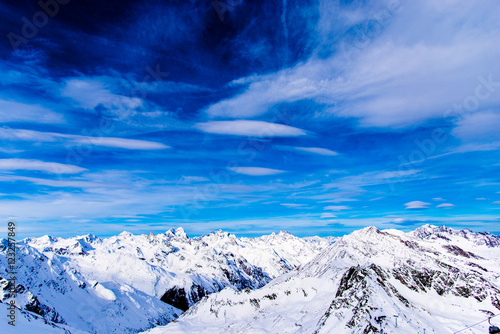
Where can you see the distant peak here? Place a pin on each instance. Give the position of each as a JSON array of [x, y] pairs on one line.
[[365, 232], [220, 233], [88, 238], [178, 232], [48, 238], [125, 234], [370, 230], [432, 229]]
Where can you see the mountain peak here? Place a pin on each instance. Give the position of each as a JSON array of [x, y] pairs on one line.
[[370, 230], [177, 232], [125, 234], [88, 238], [431, 232], [220, 233]]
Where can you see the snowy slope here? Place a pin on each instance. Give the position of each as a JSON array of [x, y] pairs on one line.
[[433, 278], [53, 289], [114, 285]]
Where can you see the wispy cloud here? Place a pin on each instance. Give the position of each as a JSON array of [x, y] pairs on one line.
[[417, 205], [402, 221], [37, 165], [130, 144], [250, 128], [445, 206], [292, 205], [37, 136], [340, 200], [438, 199], [90, 92], [58, 183], [479, 126], [11, 111], [337, 207], [311, 150], [256, 171], [372, 86], [356, 182], [328, 215]]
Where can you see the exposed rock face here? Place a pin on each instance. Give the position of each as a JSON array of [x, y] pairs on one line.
[[178, 297]]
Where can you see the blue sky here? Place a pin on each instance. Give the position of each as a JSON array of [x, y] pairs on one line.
[[316, 117]]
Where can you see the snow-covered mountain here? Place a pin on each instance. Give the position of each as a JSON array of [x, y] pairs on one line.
[[128, 283], [435, 279]]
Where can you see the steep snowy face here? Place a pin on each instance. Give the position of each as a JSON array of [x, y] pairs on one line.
[[51, 290], [156, 276], [361, 282]]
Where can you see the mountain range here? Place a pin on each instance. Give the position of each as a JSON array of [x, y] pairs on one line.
[[432, 279]]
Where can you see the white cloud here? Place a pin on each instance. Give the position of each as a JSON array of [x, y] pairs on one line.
[[396, 174], [340, 200], [9, 150], [58, 183], [27, 135], [256, 171], [438, 199], [11, 111], [292, 205], [417, 205], [402, 77], [47, 167], [316, 150], [337, 207], [130, 144], [481, 199], [250, 128], [37, 136], [90, 92], [445, 206], [479, 126], [356, 182], [470, 147], [496, 202], [328, 215]]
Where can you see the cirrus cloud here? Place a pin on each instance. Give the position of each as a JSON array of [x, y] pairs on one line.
[[38, 136], [256, 171], [337, 207], [417, 205], [11, 111], [311, 150], [38, 165]]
